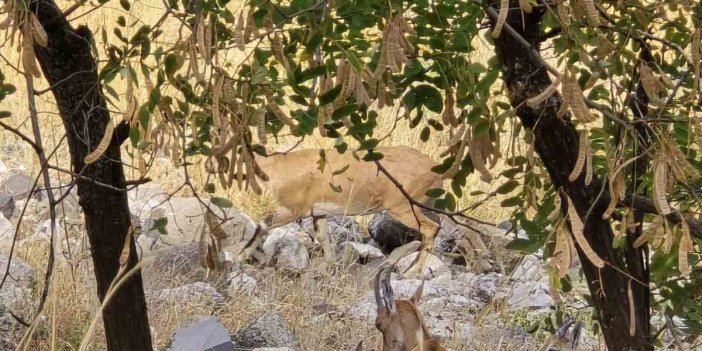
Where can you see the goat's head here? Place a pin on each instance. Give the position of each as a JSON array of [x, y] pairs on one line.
[[399, 320], [561, 340]]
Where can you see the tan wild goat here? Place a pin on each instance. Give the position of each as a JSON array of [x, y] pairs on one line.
[[349, 186], [400, 321], [561, 340]]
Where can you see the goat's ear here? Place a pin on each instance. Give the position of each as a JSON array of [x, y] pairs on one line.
[[418, 293], [359, 347], [575, 336]]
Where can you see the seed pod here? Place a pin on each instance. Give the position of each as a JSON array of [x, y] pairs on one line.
[[582, 155], [525, 5], [261, 120], [588, 166], [37, 30], [250, 24], [560, 258], [29, 61], [660, 179], [102, 146], [577, 227], [250, 173], [501, 18], [124, 255], [130, 111], [200, 37], [652, 85], [632, 309], [541, 97], [593, 18], [239, 37], [277, 111], [686, 246], [448, 116], [216, 93]]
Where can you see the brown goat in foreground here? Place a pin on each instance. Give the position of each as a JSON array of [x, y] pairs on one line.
[[399, 320], [561, 340]]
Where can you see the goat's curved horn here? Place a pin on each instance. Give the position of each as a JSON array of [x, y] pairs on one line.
[[563, 329], [388, 294], [376, 290]]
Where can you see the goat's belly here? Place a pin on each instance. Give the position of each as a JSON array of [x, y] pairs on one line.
[[335, 209]]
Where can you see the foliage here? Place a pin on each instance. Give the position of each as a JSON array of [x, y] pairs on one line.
[[328, 67]]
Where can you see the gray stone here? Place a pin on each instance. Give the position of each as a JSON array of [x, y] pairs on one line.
[[7, 204], [3, 168], [286, 248], [269, 330], [434, 267], [240, 282], [207, 334], [354, 251], [17, 288], [179, 264], [19, 185], [339, 228], [7, 231], [272, 349]]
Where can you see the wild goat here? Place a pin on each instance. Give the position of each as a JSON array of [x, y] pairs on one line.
[[561, 341], [345, 185], [400, 321]]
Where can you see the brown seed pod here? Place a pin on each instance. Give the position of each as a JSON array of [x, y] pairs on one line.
[[632, 309], [525, 5], [277, 111], [583, 145], [102, 145], [261, 122], [250, 172], [593, 18], [652, 85], [560, 258], [130, 111], [250, 26], [216, 93], [686, 246], [124, 255], [239, 37], [588, 166], [200, 37], [448, 116], [577, 227], [660, 179], [37, 30], [542, 96], [501, 18], [29, 61]]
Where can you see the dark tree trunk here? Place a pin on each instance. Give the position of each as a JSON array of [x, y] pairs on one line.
[[70, 68], [556, 142]]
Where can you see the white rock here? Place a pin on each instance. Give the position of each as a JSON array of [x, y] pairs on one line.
[[7, 231], [287, 249], [434, 266], [240, 282], [364, 251], [198, 291], [3, 168], [273, 349]]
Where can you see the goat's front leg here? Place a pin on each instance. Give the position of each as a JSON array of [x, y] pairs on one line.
[[322, 235], [281, 217]]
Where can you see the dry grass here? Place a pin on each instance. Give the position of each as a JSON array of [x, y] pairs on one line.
[[72, 302]]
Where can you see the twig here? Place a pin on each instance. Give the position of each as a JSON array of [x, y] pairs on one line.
[[416, 203]]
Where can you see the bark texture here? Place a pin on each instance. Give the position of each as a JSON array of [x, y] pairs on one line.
[[70, 68], [556, 142]]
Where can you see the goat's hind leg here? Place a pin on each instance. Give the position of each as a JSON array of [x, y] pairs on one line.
[[281, 217], [427, 227]]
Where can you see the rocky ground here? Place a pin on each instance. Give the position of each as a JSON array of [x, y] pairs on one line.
[[470, 302]]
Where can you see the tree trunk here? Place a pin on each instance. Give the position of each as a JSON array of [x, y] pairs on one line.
[[70, 68], [556, 142]]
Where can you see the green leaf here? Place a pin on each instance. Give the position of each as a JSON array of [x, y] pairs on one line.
[[221, 202], [134, 136], [429, 97], [330, 96], [511, 202], [522, 245], [312, 72], [160, 225], [436, 192], [125, 5], [506, 188], [369, 144], [344, 111], [340, 171], [336, 188], [5, 114], [171, 64], [424, 135]]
